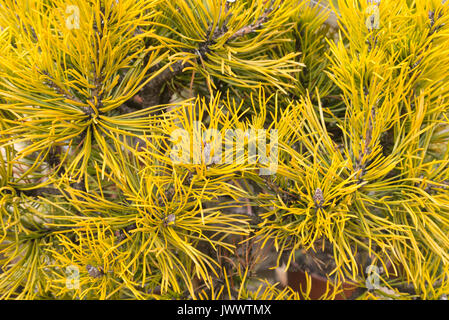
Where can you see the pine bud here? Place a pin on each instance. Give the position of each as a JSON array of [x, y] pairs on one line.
[[318, 198], [94, 272]]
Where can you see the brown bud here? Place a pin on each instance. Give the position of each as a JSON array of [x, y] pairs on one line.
[[94, 272], [169, 220], [318, 198]]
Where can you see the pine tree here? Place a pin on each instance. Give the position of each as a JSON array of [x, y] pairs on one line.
[[165, 149]]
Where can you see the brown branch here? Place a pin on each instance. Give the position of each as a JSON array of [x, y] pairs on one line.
[[252, 27], [40, 192], [50, 82], [151, 94]]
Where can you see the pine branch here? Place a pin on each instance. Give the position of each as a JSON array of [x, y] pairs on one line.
[[252, 27], [151, 93]]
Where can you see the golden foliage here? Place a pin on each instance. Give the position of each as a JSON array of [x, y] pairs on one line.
[[100, 200]]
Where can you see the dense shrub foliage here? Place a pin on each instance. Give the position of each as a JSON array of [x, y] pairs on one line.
[[112, 118]]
